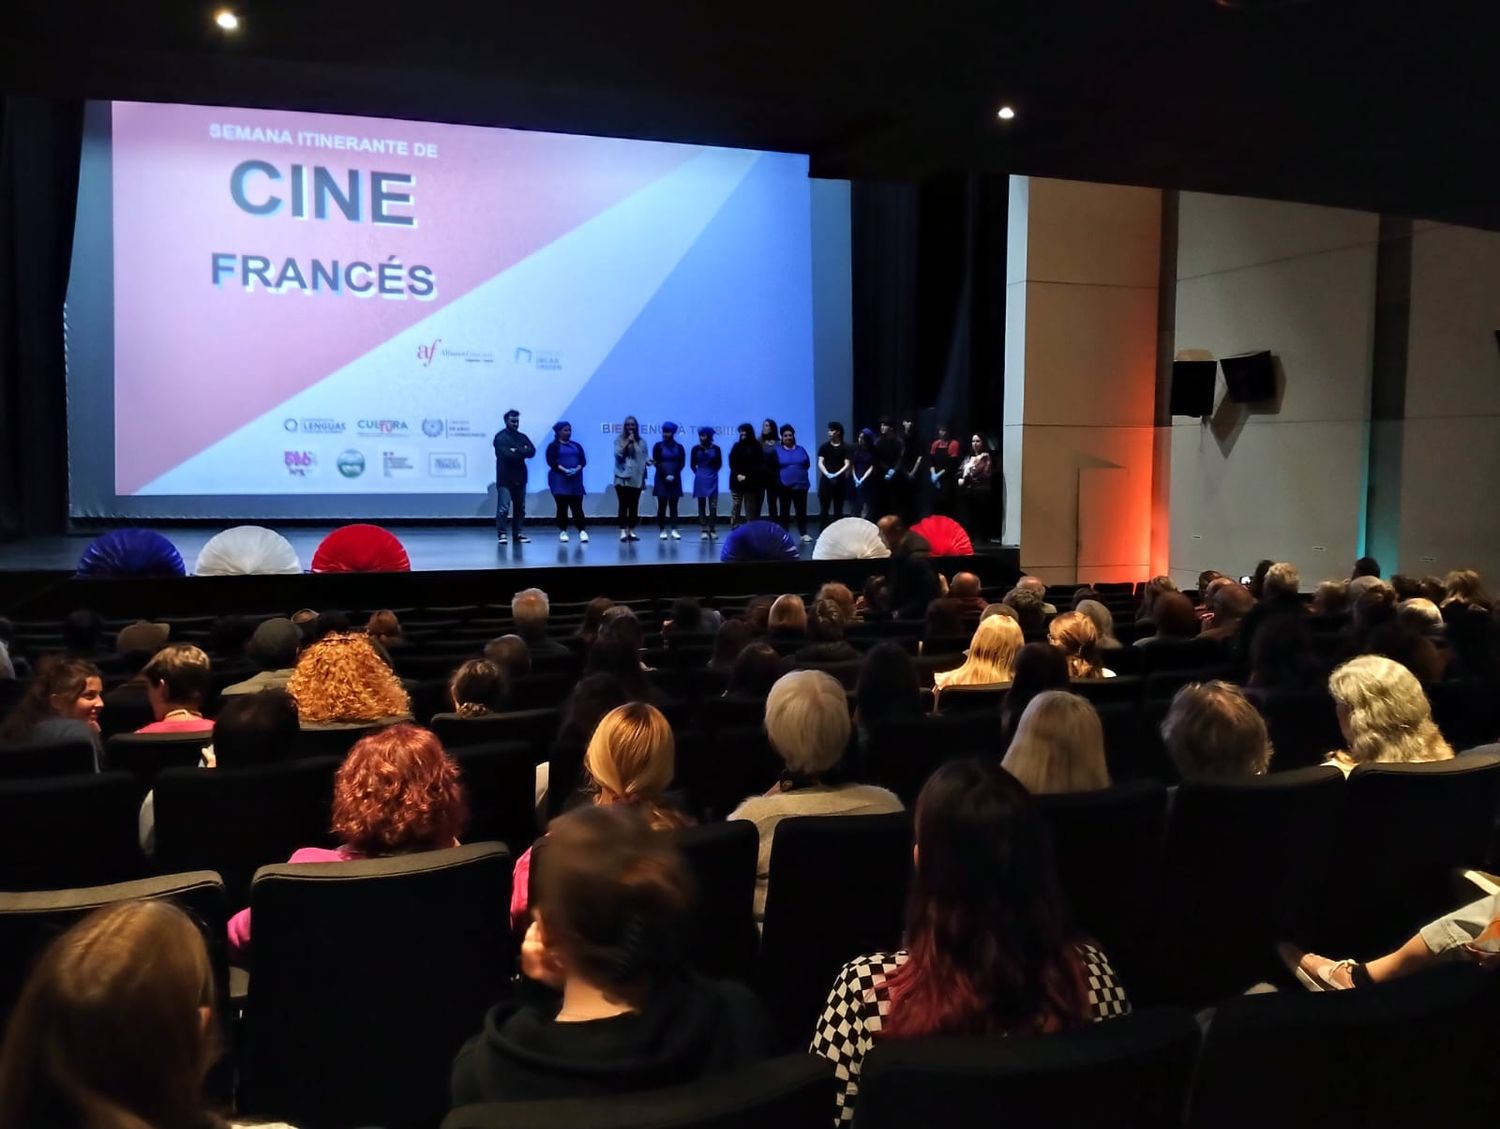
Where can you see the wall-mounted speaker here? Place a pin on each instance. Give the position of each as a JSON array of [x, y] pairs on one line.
[[1250, 377], [1193, 387]]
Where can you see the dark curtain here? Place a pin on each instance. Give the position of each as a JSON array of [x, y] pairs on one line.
[[40, 140]]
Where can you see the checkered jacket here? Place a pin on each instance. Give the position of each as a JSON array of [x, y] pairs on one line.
[[860, 1001]]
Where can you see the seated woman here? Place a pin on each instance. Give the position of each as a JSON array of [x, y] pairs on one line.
[[1175, 620], [733, 636], [478, 688], [593, 697], [396, 793], [987, 948], [177, 686], [1059, 746], [991, 657], [631, 760], [755, 671], [1213, 732], [1103, 620], [825, 635], [384, 630], [1039, 667], [1074, 634], [608, 936], [341, 682], [887, 688], [115, 1026], [787, 618], [62, 703], [1383, 715], [807, 721]]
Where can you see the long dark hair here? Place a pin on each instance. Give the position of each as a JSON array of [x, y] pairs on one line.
[[769, 424], [60, 676], [1039, 667], [989, 950]]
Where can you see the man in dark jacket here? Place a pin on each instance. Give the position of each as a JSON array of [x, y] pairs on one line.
[[512, 449]]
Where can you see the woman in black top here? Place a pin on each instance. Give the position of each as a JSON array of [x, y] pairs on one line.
[[747, 477], [888, 452], [770, 439], [833, 475]]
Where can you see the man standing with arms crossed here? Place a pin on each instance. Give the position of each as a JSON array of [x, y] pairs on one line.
[[512, 449]]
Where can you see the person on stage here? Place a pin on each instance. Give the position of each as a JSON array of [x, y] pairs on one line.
[[669, 458], [630, 476], [706, 461], [512, 449], [770, 439], [792, 466], [909, 481], [565, 463], [942, 470], [747, 477], [833, 476], [975, 482], [865, 476], [888, 454]]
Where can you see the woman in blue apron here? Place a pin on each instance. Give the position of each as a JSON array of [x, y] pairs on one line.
[[669, 458], [706, 461], [565, 463]]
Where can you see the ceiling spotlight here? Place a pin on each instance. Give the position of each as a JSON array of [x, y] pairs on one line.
[[227, 20], [1005, 113]]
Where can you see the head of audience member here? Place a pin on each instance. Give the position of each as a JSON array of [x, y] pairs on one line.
[[1359, 586], [1419, 615], [756, 670], [511, 654], [398, 792], [1074, 634], [999, 609], [989, 949], [614, 656], [341, 679], [1033, 584], [1258, 579], [529, 609], [1058, 746], [1039, 667], [593, 616], [732, 637], [1331, 598], [1431, 588], [1365, 566], [944, 619], [758, 614], [888, 686], [825, 622], [1411, 649], [1153, 590], [842, 598], [1103, 620], [61, 688], [1081, 593], [631, 759], [254, 729], [593, 697], [478, 688], [275, 644], [1230, 603], [964, 587], [228, 636], [331, 623], [686, 619], [306, 621], [1205, 578], [1374, 607], [1473, 637], [115, 1026], [1383, 714], [1174, 616], [787, 618], [384, 628], [1465, 586], [1407, 587], [138, 641], [1213, 732], [620, 624], [177, 678], [807, 723], [991, 658], [873, 596], [1281, 654], [892, 529], [82, 633], [1282, 583], [1028, 608], [611, 906]]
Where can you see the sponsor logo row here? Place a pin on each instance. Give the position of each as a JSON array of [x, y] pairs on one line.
[[386, 463], [382, 428]]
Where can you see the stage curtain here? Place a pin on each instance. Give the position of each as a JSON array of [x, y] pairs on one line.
[[40, 140]]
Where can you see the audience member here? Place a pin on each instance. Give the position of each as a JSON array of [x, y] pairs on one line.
[[1374, 607], [1205, 581], [687, 624], [1431, 588], [7, 667], [755, 671], [228, 637], [787, 618], [340, 682], [1104, 623], [888, 687], [964, 588], [1357, 587], [62, 703], [331, 623], [758, 614], [1282, 657], [1058, 746], [991, 658], [614, 656], [1464, 586], [178, 682], [1365, 566], [1331, 598], [732, 637], [529, 611], [1028, 608], [142, 638], [1383, 715], [1039, 667], [874, 600], [825, 633], [807, 721], [943, 621], [1258, 579], [1154, 588], [396, 793], [1073, 633], [1229, 603], [999, 609], [608, 937], [843, 598], [593, 615], [1407, 587], [1032, 584], [987, 948], [511, 654], [1212, 731], [273, 648], [1411, 649], [1174, 618], [307, 624], [1081, 593], [1420, 615], [593, 697], [478, 688], [1279, 587], [620, 624]]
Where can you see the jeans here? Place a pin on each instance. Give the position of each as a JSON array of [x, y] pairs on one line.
[[831, 502], [790, 500], [666, 507], [708, 511], [510, 497], [630, 505], [567, 503]]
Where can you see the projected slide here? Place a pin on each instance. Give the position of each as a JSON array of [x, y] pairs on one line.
[[310, 305]]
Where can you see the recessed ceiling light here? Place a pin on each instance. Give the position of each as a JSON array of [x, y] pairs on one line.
[[227, 20], [1005, 113]]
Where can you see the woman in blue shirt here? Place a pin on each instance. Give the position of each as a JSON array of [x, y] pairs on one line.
[[565, 463], [706, 461], [792, 465], [668, 457]]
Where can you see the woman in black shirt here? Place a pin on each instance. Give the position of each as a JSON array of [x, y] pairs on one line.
[[833, 475]]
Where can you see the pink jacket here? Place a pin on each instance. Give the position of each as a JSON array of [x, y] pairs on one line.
[[239, 924], [520, 893]]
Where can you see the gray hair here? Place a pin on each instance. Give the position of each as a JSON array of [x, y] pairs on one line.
[[530, 606], [807, 721]]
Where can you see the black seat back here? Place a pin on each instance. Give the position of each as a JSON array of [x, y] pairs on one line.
[[500, 784], [407, 952], [901, 753], [535, 727], [36, 759], [734, 764], [972, 699], [722, 857], [1303, 725], [69, 831], [143, 755]]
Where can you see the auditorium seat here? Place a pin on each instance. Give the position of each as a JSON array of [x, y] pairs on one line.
[[536, 727], [1105, 691], [734, 710], [792, 1092], [972, 699], [330, 740], [722, 858], [35, 759], [1415, 1051], [144, 755], [837, 889], [846, 673], [1468, 713], [236, 820], [1132, 1071], [1303, 725], [1126, 662], [901, 753], [499, 780], [367, 977], [1107, 845], [1182, 655], [69, 831], [1242, 864], [720, 772]]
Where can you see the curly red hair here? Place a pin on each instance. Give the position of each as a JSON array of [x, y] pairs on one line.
[[396, 792]]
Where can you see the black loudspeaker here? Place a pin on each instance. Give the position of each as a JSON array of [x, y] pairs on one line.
[[1251, 377], [1193, 387]]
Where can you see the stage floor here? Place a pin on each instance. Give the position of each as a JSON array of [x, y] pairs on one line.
[[431, 548]]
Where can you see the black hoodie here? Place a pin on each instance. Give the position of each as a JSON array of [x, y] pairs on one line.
[[690, 1028]]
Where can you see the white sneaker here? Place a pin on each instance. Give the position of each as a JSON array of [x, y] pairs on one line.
[[562, 536], [806, 540], [583, 535], [676, 536], [663, 535], [634, 536], [624, 535], [703, 536]]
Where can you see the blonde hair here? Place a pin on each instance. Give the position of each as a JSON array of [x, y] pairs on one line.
[[1212, 730], [631, 760], [1389, 718], [807, 721], [788, 613], [183, 671], [1075, 635], [1464, 586], [992, 655], [341, 678], [1058, 746]]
